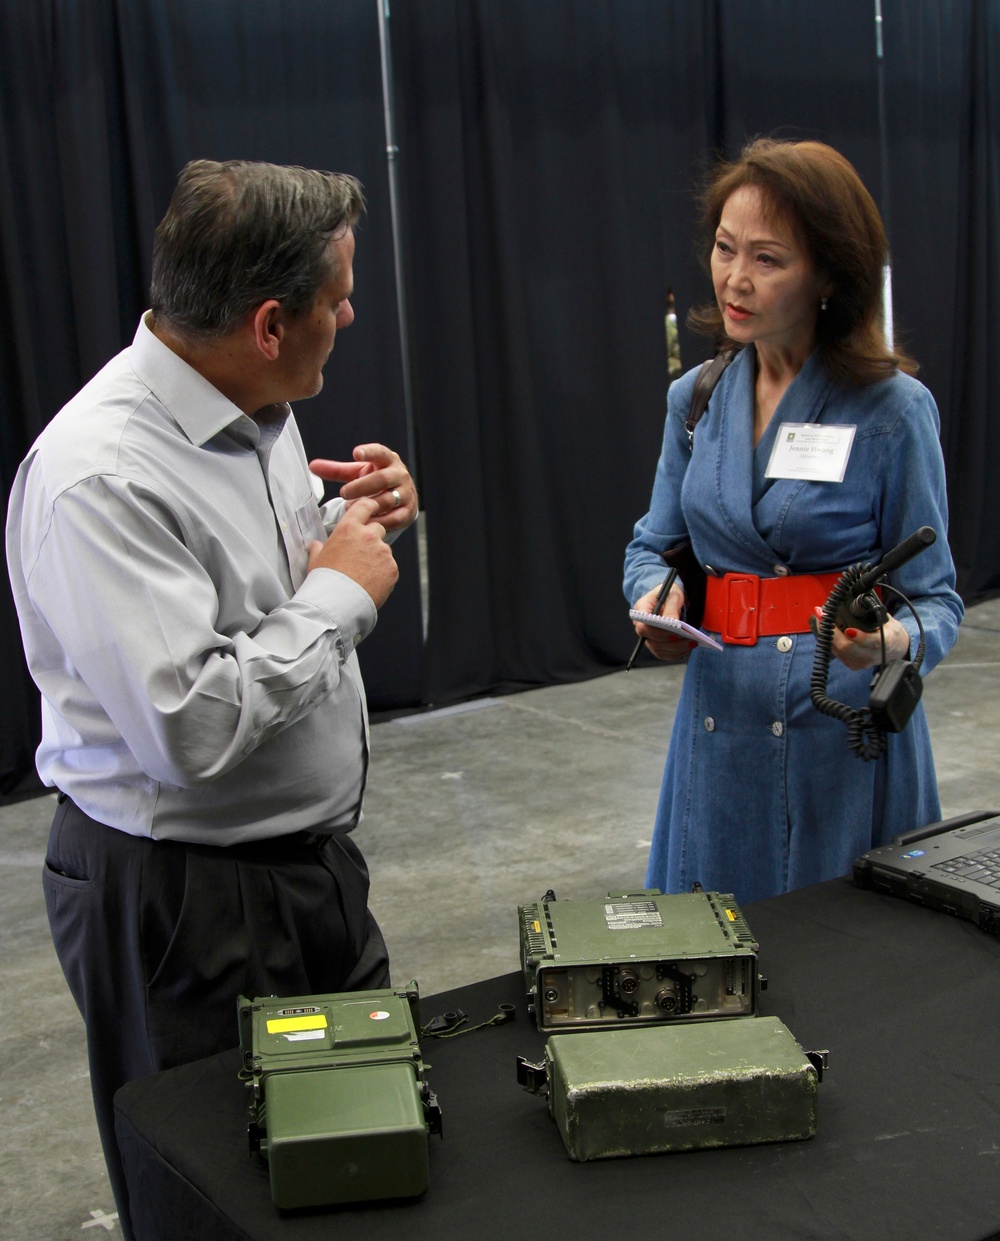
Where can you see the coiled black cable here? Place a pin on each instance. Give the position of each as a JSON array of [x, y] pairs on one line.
[[865, 738]]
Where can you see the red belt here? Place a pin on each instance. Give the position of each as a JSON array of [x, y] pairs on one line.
[[742, 606]]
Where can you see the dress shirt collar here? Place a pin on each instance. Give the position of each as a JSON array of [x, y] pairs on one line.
[[198, 407]]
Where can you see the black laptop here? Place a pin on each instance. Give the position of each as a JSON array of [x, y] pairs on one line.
[[953, 866]]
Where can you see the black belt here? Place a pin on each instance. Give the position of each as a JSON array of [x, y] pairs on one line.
[[272, 846], [294, 844]]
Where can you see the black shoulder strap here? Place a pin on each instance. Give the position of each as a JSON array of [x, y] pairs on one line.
[[704, 385]]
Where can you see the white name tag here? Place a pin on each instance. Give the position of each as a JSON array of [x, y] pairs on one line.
[[811, 451]]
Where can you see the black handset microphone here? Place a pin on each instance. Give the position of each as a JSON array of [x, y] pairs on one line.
[[896, 686], [862, 608]]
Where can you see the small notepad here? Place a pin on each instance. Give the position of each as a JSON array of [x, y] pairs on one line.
[[681, 628]]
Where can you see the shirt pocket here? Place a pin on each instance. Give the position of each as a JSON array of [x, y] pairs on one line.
[[309, 523]]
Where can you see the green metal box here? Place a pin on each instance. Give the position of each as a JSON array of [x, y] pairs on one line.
[[340, 1107], [637, 958], [679, 1088]]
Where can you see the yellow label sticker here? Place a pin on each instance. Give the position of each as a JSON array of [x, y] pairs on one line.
[[281, 1025], [730, 915], [536, 926]]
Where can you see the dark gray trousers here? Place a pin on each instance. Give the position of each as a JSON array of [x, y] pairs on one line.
[[157, 939]]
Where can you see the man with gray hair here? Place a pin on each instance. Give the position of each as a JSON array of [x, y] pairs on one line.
[[190, 611]]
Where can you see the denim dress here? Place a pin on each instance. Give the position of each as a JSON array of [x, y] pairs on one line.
[[761, 793]]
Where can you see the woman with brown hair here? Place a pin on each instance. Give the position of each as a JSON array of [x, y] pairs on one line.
[[818, 451]]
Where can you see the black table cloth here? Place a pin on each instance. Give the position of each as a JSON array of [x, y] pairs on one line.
[[908, 1144]]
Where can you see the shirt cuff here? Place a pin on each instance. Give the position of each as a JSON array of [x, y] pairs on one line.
[[350, 607]]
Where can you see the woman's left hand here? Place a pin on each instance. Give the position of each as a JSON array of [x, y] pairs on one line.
[[858, 649]]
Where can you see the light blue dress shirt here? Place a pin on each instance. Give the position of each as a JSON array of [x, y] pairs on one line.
[[197, 683]]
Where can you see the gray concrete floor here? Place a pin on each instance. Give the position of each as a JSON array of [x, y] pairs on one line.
[[470, 813]]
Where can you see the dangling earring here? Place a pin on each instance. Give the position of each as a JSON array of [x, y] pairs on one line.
[[823, 303]]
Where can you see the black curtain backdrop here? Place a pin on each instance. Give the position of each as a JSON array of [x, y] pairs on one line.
[[943, 103], [548, 150]]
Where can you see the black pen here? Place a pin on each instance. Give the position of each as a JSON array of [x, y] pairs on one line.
[[661, 599]]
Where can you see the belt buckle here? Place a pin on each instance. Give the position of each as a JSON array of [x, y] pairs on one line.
[[742, 608]]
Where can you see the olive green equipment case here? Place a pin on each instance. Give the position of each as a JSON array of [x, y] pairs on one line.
[[637, 958], [339, 1103], [643, 1091]]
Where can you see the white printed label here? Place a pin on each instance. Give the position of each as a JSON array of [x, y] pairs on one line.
[[632, 914], [811, 451]]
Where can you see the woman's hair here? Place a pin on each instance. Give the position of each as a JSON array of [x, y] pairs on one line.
[[819, 192], [238, 233]]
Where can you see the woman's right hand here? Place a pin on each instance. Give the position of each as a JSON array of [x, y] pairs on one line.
[[661, 642]]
